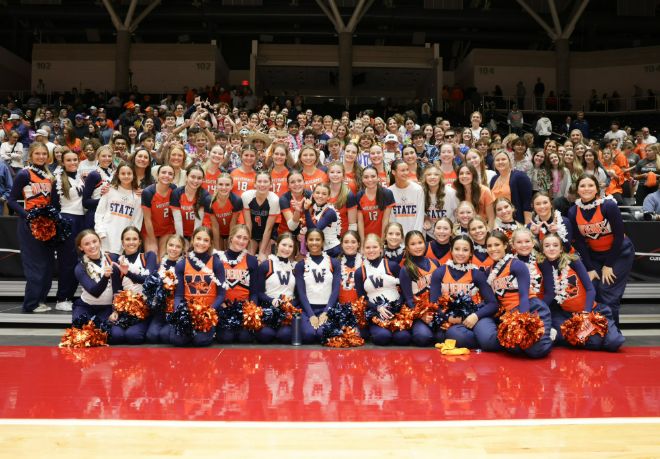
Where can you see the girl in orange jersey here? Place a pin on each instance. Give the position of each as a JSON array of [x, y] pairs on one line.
[[568, 289], [415, 279], [353, 171], [240, 271], [377, 162], [350, 261], [245, 175], [212, 169], [190, 203], [307, 163], [225, 210], [459, 277], [602, 243], [478, 231], [157, 216], [200, 276], [374, 205], [510, 281], [439, 247], [342, 198], [279, 172], [447, 158]]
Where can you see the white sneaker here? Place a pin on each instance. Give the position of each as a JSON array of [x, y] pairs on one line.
[[43, 307], [553, 334], [64, 305]]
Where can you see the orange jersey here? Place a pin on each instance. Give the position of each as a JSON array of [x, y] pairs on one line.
[[451, 287], [505, 287], [311, 180], [372, 215], [597, 232], [449, 177], [343, 211], [199, 286], [243, 181], [38, 192], [210, 182], [347, 292], [384, 179], [224, 213], [280, 184], [424, 280], [238, 280], [576, 293], [159, 205], [351, 182]]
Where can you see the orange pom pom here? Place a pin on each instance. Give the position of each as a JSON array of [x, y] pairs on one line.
[[131, 303], [350, 337], [43, 228], [359, 311], [581, 326], [289, 310], [423, 305], [87, 336], [252, 315], [521, 330], [203, 316]]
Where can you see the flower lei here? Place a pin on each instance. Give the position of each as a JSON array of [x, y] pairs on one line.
[[507, 227], [534, 274], [480, 248], [499, 266], [40, 172], [92, 269], [320, 210], [465, 267], [561, 284], [344, 269], [557, 219], [203, 268], [391, 254], [58, 183], [308, 260], [593, 205], [137, 268], [224, 259]]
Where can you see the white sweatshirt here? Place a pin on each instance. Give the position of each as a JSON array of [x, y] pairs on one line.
[[118, 209], [408, 207]]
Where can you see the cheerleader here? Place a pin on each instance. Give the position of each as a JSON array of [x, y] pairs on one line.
[[394, 246], [464, 214], [240, 270], [97, 183], [342, 198], [415, 279], [504, 213], [34, 186], [200, 276], [307, 164], [140, 161], [291, 205], [568, 289], [158, 221], [94, 273], [275, 280], [458, 276], [318, 279], [439, 248], [510, 281], [159, 330], [69, 188], [523, 244], [439, 199], [378, 282], [374, 205], [244, 176], [260, 210], [119, 208], [600, 239], [545, 219], [323, 216], [478, 232], [350, 261], [190, 203], [133, 268], [225, 209]]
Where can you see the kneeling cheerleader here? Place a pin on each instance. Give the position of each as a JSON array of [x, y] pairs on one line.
[[469, 301], [578, 320], [130, 318], [378, 282], [199, 293], [523, 320], [317, 284]]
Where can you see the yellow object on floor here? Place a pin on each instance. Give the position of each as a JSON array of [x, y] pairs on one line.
[[449, 348]]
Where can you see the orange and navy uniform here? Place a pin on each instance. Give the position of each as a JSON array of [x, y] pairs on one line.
[[351, 203], [481, 260], [238, 277], [197, 285], [447, 282], [511, 286], [597, 231], [159, 206], [425, 269], [579, 292], [224, 213], [38, 192], [179, 201], [313, 179], [439, 252], [347, 292], [372, 215], [285, 204], [243, 181]]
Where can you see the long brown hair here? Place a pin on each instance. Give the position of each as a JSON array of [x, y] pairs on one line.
[[475, 187]]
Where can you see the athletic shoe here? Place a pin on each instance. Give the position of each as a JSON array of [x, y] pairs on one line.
[[64, 305], [553, 334], [43, 307]]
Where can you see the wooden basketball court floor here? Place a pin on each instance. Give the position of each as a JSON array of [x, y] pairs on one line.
[[127, 402]]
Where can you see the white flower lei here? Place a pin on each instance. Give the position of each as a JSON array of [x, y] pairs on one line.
[[224, 259], [507, 227], [498, 268], [92, 269], [37, 171], [557, 219], [465, 267], [534, 274], [344, 268], [480, 248], [561, 284], [58, 183], [203, 268], [137, 268], [308, 260], [391, 254], [322, 209], [593, 205]]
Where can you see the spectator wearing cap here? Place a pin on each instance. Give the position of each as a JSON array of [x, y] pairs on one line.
[[80, 128], [127, 118], [22, 130], [391, 149], [426, 153], [42, 136], [105, 131]]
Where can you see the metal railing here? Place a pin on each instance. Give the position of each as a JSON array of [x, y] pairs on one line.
[[574, 104]]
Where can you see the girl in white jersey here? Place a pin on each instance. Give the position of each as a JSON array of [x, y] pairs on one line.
[[321, 215]]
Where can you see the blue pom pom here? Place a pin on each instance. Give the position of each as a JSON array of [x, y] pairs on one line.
[[272, 316], [181, 320], [231, 316], [155, 293]]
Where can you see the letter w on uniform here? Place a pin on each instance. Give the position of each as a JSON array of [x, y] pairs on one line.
[[319, 276], [285, 277], [377, 281]]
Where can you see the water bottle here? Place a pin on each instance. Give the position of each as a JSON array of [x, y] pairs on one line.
[[296, 332]]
